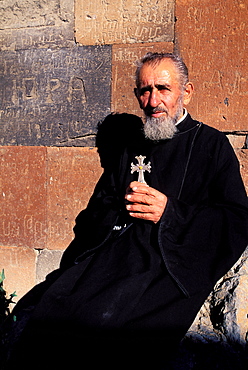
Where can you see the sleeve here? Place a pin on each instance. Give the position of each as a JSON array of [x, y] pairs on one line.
[[201, 241]]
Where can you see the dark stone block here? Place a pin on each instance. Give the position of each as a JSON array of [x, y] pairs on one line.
[[54, 97]]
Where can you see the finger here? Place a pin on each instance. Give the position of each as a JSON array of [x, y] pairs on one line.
[[148, 191], [140, 198], [150, 197], [136, 186], [145, 216], [145, 211], [152, 212], [139, 207], [142, 190]]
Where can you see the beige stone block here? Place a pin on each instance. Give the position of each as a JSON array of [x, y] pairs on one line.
[[241, 300], [124, 58], [72, 174], [242, 155], [212, 38], [124, 21], [19, 266], [237, 141], [26, 24], [47, 261]]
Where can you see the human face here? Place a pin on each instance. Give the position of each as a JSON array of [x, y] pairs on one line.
[[161, 128], [159, 92]]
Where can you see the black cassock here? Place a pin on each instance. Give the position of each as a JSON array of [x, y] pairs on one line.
[[128, 290]]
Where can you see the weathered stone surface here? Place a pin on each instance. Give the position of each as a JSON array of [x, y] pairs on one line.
[[54, 97], [22, 196], [124, 58], [124, 21], [72, 174], [241, 304], [242, 155], [218, 337], [47, 261], [212, 38], [237, 141], [41, 192], [34, 24], [19, 266]]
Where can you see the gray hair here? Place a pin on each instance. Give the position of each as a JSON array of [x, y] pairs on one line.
[[155, 58]]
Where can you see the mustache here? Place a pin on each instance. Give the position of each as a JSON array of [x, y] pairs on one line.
[[150, 111]]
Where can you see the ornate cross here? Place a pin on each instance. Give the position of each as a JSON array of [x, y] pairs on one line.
[[141, 167]]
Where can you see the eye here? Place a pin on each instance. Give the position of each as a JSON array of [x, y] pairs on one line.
[[145, 90], [163, 88]]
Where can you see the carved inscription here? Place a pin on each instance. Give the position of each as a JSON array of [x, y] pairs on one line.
[[214, 48], [28, 13], [34, 24], [54, 97], [72, 175], [40, 37], [124, 21], [22, 196], [42, 190]]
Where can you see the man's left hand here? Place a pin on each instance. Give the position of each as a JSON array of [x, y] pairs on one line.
[[145, 202]]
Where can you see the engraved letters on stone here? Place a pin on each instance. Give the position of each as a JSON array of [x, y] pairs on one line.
[[54, 97]]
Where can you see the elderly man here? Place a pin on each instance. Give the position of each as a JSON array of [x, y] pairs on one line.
[[146, 253]]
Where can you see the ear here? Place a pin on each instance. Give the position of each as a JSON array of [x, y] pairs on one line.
[[188, 92], [136, 92]]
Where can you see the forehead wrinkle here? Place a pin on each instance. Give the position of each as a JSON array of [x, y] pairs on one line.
[[164, 71], [153, 77]]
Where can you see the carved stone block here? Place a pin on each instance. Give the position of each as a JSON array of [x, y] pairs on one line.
[[125, 21], [26, 24], [54, 97], [23, 196], [72, 174], [212, 36], [42, 190]]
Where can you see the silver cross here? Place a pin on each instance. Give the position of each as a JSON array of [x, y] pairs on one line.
[[141, 167]]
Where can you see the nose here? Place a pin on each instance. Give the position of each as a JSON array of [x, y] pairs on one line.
[[154, 99]]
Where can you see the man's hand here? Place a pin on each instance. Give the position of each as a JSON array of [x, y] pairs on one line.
[[145, 202]]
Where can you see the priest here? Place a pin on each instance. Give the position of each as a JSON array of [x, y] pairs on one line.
[[167, 219]]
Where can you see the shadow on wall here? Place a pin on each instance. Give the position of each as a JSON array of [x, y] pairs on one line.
[[115, 132]]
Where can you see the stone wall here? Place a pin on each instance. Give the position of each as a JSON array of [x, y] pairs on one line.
[[65, 65]]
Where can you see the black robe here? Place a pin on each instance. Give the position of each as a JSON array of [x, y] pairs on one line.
[[127, 287]]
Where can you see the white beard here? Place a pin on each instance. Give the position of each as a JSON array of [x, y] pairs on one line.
[[163, 127], [159, 128]]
